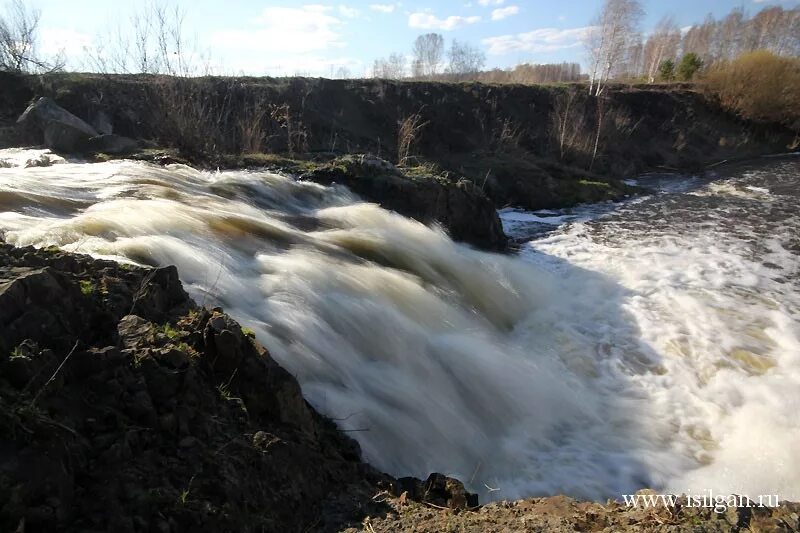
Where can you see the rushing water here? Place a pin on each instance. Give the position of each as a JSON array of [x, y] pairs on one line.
[[654, 343]]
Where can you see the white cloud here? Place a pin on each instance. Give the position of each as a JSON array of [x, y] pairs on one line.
[[426, 21], [71, 42], [284, 29], [504, 12], [491, 2], [287, 65], [383, 8], [348, 12], [317, 8], [541, 40]]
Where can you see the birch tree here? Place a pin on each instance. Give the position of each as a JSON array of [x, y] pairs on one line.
[[390, 68], [612, 35], [660, 46]]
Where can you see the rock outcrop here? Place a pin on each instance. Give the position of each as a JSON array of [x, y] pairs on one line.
[[125, 407], [458, 205]]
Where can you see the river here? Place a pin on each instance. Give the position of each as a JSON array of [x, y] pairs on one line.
[[652, 343]]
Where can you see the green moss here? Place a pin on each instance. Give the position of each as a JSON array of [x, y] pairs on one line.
[[169, 331], [247, 332], [182, 346], [17, 352], [87, 287]]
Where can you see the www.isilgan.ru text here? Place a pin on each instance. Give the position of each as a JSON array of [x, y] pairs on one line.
[[718, 502]]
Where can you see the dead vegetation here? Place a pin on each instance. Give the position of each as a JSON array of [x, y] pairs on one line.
[[759, 86], [408, 134]]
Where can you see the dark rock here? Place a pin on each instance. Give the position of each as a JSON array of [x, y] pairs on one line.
[[110, 143], [438, 490], [457, 205], [193, 427], [133, 331], [62, 131], [100, 121]]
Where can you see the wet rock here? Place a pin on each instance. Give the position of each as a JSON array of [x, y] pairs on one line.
[[457, 205], [438, 489], [110, 143]]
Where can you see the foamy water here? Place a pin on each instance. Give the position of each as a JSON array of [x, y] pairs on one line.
[[653, 344]]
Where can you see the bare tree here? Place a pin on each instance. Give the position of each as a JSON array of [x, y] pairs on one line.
[[661, 45], [528, 73], [698, 40], [569, 123], [465, 60], [19, 27], [343, 73], [390, 68], [610, 38], [729, 34], [152, 41], [772, 28], [428, 53]]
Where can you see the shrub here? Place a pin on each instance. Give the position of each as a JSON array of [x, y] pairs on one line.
[[689, 66], [666, 70], [760, 86]]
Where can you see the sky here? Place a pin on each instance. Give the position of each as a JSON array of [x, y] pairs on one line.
[[319, 38]]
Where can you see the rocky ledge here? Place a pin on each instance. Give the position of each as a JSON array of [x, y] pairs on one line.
[[457, 204], [125, 406]]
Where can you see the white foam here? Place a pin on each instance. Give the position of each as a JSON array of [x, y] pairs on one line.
[[615, 355]]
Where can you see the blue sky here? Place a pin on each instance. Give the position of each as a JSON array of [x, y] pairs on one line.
[[317, 37]]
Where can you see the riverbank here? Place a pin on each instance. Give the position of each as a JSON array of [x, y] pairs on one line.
[[533, 147], [109, 369]]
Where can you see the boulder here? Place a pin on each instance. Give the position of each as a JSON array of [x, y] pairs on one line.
[[100, 121], [438, 489], [62, 131]]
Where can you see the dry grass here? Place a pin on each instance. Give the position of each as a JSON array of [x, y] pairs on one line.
[[759, 86], [408, 134]]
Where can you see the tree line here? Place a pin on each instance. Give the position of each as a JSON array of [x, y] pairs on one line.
[[153, 42], [617, 49]]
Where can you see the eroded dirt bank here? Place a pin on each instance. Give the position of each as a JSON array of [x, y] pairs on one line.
[[527, 146]]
